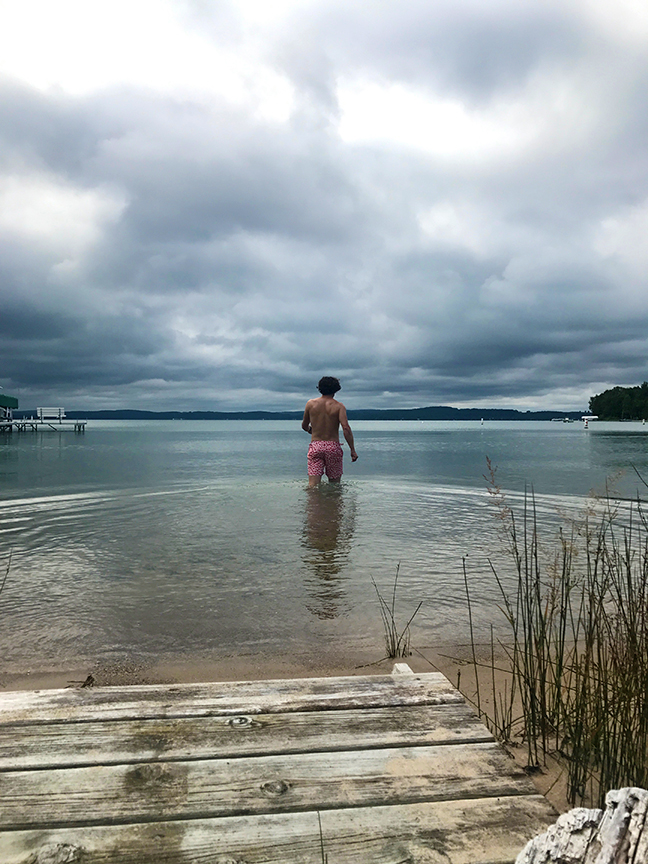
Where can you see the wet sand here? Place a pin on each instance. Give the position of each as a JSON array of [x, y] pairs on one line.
[[238, 667]]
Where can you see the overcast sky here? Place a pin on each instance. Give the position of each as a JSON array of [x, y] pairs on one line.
[[209, 205]]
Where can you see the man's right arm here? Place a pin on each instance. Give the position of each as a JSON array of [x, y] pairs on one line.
[[348, 434], [306, 423]]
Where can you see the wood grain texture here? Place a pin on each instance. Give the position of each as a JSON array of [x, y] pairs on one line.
[[222, 787], [225, 698], [477, 831], [392, 769], [617, 835], [109, 742]]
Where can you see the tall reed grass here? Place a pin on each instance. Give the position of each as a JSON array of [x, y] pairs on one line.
[[397, 640], [577, 644]]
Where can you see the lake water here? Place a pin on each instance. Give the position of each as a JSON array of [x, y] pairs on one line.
[[169, 539]]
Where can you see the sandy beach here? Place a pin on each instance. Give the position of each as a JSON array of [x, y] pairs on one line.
[[236, 667]]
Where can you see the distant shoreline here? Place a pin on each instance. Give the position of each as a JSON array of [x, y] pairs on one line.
[[440, 412]]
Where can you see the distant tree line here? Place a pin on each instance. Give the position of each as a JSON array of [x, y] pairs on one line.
[[621, 403], [437, 412]]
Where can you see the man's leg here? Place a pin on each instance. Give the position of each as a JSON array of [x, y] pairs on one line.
[[315, 466], [333, 462]]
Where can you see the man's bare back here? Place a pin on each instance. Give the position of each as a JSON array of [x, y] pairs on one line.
[[322, 420]]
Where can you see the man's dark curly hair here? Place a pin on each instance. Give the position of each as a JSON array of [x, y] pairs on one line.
[[328, 386]]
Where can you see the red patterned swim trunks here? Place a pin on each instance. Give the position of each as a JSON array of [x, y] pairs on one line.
[[325, 456]]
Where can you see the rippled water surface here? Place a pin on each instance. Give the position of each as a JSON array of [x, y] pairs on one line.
[[163, 539]]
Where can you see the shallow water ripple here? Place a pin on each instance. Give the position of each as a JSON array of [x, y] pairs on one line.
[[149, 542]]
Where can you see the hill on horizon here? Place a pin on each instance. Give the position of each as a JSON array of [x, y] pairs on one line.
[[438, 412]]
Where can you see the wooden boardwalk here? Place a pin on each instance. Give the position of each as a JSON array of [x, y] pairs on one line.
[[380, 769], [33, 424]]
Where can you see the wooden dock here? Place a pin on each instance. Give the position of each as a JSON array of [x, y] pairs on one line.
[[46, 419], [380, 769], [33, 424]]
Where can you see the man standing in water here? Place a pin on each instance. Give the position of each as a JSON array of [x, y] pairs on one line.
[[322, 419]]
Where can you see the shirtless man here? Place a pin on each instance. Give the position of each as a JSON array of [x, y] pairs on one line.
[[322, 419]]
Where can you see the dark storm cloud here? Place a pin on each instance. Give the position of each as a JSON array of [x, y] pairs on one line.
[[51, 131], [192, 178], [155, 248], [23, 323]]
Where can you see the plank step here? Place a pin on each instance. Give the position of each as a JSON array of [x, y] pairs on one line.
[[60, 745], [36, 707], [157, 791], [476, 831]]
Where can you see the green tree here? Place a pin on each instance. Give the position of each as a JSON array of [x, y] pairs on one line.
[[621, 403]]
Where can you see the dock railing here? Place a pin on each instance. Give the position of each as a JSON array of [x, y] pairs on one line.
[[51, 414]]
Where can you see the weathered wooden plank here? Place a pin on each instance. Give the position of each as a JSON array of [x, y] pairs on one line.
[[222, 787], [478, 831], [110, 742], [229, 697]]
